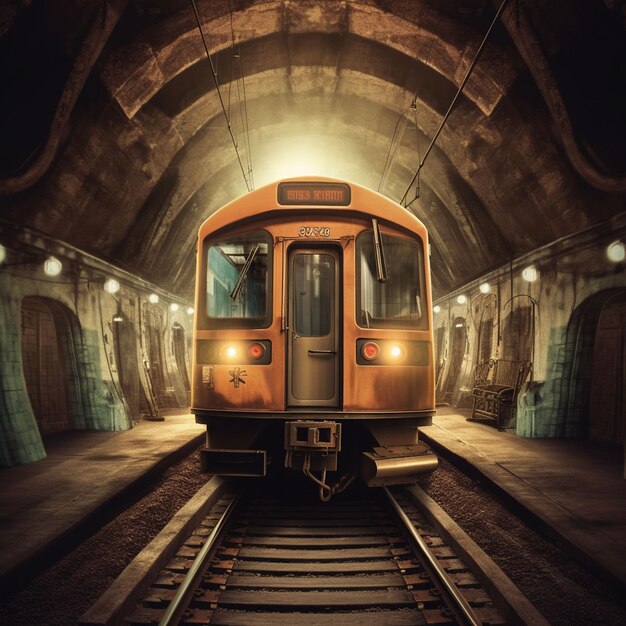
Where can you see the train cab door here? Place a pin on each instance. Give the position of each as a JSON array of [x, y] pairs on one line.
[[313, 342]]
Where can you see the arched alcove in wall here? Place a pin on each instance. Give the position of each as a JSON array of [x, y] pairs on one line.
[[592, 402], [486, 315], [518, 330], [179, 345], [440, 357], [607, 402], [154, 356], [457, 351], [44, 366], [125, 346]]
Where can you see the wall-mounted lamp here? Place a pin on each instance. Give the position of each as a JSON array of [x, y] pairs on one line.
[[153, 298], [190, 311], [530, 274], [484, 287], [3, 254], [52, 266], [173, 307], [616, 252], [436, 308], [111, 286], [118, 318], [462, 299]]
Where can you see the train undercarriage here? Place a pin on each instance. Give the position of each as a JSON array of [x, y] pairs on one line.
[[332, 453]]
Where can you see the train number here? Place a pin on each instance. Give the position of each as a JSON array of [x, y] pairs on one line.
[[314, 231]]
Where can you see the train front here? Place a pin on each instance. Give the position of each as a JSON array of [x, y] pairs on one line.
[[313, 336]]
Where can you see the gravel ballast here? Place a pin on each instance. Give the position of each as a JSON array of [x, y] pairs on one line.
[[562, 590]]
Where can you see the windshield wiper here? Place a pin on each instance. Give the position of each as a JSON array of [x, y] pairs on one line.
[[244, 272], [379, 253]]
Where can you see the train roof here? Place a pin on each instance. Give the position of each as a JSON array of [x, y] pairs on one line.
[[362, 200]]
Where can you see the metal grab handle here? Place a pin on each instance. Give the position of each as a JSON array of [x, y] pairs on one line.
[[322, 351]]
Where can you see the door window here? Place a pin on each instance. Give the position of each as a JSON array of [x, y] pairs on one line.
[[314, 280]]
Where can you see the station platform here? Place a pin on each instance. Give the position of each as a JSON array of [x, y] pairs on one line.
[[44, 502], [575, 489]]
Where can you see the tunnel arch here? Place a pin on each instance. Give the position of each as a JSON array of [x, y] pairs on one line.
[[196, 183], [154, 147], [135, 73]]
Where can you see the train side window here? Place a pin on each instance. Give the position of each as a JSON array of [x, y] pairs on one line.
[[237, 280], [398, 301]]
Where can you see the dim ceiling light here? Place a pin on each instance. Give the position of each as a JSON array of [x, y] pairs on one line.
[[52, 266], [616, 251], [3, 254], [461, 299], [111, 286], [173, 307], [436, 308], [530, 274], [190, 311], [153, 298], [484, 288]]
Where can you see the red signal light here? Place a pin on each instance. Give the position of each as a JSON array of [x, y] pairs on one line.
[[370, 351], [256, 351]]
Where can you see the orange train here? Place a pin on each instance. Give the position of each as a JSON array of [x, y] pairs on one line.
[[313, 343]]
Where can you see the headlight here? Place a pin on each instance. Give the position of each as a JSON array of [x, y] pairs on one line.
[[397, 352], [230, 352]]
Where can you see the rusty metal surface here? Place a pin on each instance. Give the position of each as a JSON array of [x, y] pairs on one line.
[[392, 388]]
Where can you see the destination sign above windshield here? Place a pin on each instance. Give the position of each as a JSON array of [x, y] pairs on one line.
[[319, 194]]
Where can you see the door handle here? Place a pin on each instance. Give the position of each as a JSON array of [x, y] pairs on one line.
[[322, 352]]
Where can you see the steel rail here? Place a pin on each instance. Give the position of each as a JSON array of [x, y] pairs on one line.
[[465, 609], [181, 600]]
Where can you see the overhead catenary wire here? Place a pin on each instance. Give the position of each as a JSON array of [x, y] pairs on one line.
[[241, 96], [393, 149], [219, 95], [452, 104]]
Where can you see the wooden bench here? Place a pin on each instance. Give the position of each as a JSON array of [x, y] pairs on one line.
[[482, 374], [495, 396]]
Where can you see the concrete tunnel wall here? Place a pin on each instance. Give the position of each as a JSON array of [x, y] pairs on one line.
[[83, 315], [571, 272]]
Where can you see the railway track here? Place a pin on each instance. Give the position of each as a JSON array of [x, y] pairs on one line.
[[369, 558]]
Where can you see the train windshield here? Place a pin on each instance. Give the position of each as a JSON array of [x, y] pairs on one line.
[[397, 301], [237, 281]]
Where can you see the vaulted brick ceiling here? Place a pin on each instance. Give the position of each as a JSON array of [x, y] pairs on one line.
[[115, 141]]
